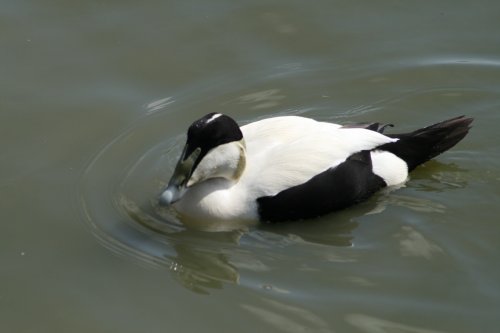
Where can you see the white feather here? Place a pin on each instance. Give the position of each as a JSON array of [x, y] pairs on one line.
[[215, 116], [391, 168], [220, 162]]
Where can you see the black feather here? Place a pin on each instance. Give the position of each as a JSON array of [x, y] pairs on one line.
[[419, 146], [336, 188]]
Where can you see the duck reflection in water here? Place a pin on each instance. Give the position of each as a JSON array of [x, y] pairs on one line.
[[203, 261]]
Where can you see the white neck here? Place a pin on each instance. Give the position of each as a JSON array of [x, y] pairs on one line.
[[225, 161]]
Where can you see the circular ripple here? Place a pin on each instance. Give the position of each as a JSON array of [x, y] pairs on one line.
[[119, 188]]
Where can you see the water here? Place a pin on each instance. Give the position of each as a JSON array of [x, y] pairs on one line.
[[95, 100]]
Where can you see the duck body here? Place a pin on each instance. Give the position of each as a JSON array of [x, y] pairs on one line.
[[291, 168]]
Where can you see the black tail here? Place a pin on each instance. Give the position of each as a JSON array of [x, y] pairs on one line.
[[423, 144]]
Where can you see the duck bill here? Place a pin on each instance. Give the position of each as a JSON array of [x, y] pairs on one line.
[[177, 184]]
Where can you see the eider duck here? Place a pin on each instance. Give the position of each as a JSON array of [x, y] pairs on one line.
[[292, 168]]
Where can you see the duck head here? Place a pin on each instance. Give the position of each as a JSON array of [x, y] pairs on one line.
[[215, 148]]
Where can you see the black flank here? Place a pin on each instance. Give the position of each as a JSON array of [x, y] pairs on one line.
[[336, 188]]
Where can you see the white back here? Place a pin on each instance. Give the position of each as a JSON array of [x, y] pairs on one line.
[[287, 151]]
